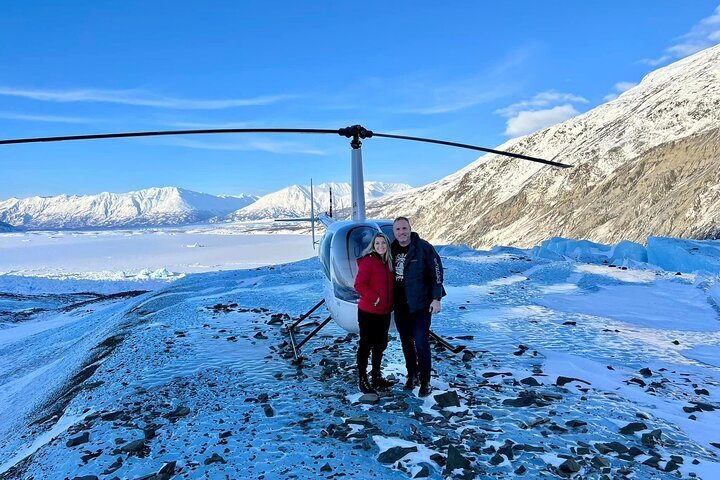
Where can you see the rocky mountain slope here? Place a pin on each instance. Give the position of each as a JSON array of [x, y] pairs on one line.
[[294, 201], [152, 206], [644, 164]]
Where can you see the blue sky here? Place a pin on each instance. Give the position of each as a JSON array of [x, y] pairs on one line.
[[466, 71]]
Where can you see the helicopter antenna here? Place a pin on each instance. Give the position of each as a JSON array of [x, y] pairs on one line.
[[312, 212]]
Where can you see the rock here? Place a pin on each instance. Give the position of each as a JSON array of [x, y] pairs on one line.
[[701, 391], [599, 462], [394, 454], [226, 434], [633, 427], [423, 473], [671, 466], [618, 447], [575, 423], [521, 470], [112, 416], [562, 381], [486, 416], [370, 399], [86, 477], [269, 412], [136, 446], [214, 459], [73, 442], [455, 459], [646, 372], [653, 462], [651, 439], [569, 466], [168, 469], [467, 356], [448, 399], [496, 459], [715, 444], [530, 381], [326, 468], [179, 412], [439, 459], [635, 451]]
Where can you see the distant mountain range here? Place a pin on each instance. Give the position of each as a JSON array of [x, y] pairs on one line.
[[294, 201], [173, 206], [152, 206], [644, 164]]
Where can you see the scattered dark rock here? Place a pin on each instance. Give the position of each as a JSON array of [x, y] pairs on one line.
[[701, 391], [562, 381], [179, 412], [599, 462], [575, 423], [448, 399], [73, 442], [423, 473], [646, 372], [651, 439], [370, 399], [214, 459], [269, 412], [496, 459], [455, 459], [486, 416], [530, 381], [394, 454], [521, 470], [326, 468], [633, 427], [569, 466], [226, 434], [134, 447]]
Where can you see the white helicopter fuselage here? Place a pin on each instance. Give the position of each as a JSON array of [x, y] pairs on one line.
[[339, 250]]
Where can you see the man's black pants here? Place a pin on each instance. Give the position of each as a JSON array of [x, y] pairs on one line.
[[414, 330], [373, 338]]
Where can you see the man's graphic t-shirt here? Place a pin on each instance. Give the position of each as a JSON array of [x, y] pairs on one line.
[[399, 263]]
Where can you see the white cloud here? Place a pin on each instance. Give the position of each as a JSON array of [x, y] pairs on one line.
[[138, 98], [527, 122], [44, 118], [704, 34], [619, 88], [543, 99], [542, 110]]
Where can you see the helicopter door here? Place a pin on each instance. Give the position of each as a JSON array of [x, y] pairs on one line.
[[347, 246]]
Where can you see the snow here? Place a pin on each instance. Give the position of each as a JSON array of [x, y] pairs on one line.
[[152, 206], [591, 321]]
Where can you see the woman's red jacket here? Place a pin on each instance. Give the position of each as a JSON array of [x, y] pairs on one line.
[[374, 281]]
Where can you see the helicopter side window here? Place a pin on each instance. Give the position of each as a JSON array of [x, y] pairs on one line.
[[325, 253], [347, 247], [388, 231]]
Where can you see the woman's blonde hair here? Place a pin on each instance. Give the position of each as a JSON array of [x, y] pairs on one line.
[[387, 256]]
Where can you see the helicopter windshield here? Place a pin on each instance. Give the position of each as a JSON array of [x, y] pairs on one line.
[[347, 246]]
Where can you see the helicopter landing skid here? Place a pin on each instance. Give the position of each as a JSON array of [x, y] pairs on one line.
[[295, 326], [445, 344]]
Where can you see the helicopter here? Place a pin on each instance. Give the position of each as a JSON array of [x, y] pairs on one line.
[[343, 240]]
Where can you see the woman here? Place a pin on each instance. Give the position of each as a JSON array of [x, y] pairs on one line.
[[374, 284]]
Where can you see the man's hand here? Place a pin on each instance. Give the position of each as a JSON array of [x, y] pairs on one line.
[[435, 306]]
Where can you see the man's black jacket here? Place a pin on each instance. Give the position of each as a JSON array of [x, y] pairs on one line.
[[423, 273]]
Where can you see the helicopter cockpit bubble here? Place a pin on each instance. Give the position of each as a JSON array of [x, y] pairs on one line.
[[348, 244]]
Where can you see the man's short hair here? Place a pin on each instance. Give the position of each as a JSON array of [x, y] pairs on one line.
[[401, 218]]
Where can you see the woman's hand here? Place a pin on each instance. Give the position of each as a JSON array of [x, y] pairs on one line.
[[377, 302]]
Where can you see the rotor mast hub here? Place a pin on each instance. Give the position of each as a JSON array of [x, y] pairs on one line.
[[356, 132]]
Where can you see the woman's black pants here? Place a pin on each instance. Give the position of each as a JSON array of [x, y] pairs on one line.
[[373, 338]]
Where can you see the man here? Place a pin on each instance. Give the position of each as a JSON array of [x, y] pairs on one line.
[[416, 297]]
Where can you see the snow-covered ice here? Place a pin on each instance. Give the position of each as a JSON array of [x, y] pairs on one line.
[[193, 372]]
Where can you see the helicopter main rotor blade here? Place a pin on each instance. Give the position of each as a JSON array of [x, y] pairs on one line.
[[356, 130], [474, 147], [164, 133]]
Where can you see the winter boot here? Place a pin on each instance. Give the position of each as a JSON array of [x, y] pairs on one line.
[[411, 382], [425, 388], [364, 383], [380, 383]]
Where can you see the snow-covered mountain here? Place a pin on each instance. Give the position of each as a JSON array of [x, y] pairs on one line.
[[152, 206], [294, 201], [645, 164]]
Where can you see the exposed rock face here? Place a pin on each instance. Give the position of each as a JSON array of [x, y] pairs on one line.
[[644, 164]]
